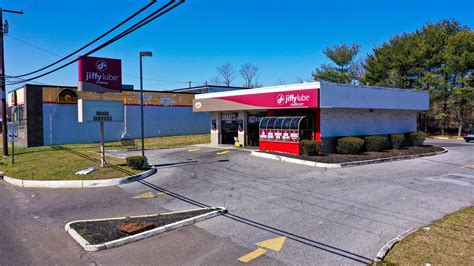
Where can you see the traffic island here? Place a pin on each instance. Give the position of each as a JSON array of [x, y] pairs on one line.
[[447, 241], [98, 234], [334, 160]]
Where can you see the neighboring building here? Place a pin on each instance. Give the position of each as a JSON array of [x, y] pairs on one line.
[[47, 114], [208, 89], [277, 118]]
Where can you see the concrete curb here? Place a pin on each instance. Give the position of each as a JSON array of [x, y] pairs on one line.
[[447, 138], [342, 165], [389, 245], [78, 183], [129, 239]]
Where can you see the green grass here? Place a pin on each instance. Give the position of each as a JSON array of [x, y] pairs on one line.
[[62, 162], [450, 241]]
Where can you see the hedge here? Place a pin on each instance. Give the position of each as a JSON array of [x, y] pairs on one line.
[[349, 145], [397, 140], [137, 162], [376, 143], [417, 138], [310, 147]]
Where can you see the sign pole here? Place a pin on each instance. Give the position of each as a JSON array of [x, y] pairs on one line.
[[102, 146], [13, 152]]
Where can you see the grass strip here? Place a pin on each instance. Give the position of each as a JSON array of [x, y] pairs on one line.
[[448, 241]]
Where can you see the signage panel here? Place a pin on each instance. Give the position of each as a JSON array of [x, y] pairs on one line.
[[100, 111], [12, 132], [99, 74]]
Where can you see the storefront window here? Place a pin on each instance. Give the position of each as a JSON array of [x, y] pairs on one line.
[[292, 128], [286, 123], [271, 123], [278, 123]]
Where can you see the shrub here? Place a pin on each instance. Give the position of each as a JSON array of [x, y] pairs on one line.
[[136, 162], [417, 138], [397, 140], [375, 143], [310, 147], [349, 145]]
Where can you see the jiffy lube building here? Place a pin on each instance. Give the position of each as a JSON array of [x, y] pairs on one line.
[[277, 118]]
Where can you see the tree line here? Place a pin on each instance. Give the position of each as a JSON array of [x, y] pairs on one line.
[[226, 75], [438, 58]]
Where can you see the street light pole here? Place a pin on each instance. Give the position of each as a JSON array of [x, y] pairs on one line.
[[3, 88], [142, 54]]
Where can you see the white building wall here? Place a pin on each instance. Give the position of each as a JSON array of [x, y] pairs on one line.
[[351, 96], [356, 122]]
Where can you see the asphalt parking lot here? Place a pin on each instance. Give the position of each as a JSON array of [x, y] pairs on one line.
[[330, 216]]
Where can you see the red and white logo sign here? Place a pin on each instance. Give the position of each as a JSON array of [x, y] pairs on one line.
[[293, 99], [100, 74], [285, 99]]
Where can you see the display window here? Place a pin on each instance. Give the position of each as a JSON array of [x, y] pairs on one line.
[[285, 128]]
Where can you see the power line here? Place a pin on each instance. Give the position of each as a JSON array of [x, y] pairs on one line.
[[158, 13], [91, 42], [161, 80], [52, 53], [32, 45]]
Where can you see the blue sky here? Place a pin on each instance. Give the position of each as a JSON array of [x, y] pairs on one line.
[[285, 38]]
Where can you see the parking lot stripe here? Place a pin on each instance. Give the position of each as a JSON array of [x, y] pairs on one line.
[[192, 150], [252, 255], [222, 152], [149, 195], [468, 166]]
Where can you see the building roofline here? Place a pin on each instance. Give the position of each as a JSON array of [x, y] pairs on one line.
[[208, 86], [75, 88], [368, 87], [291, 87]]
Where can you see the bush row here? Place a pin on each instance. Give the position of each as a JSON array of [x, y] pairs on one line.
[[137, 162], [353, 145], [310, 147]]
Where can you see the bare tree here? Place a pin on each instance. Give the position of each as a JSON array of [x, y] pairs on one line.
[[299, 79], [249, 74], [227, 73], [215, 80]]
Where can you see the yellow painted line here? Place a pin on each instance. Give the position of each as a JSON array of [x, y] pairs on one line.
[[468, 166], [274, 244], [191, 150], [252, 255], [148, 195], [222, 152]]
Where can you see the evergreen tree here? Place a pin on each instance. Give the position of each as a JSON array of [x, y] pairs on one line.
[[437, 58], [339, 71]]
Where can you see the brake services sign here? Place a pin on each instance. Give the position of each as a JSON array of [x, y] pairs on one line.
[[98, 74], [100, 111]]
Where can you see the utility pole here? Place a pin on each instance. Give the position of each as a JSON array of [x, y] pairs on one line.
[[3, 88]]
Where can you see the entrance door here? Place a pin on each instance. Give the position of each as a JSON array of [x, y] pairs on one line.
[[252, 128], [229, 128]]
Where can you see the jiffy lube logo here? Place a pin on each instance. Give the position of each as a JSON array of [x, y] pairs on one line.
[[291, 99], [100, 74], [101, 65]]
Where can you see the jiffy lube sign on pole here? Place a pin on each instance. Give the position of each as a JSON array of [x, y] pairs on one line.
[[98, 74]]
